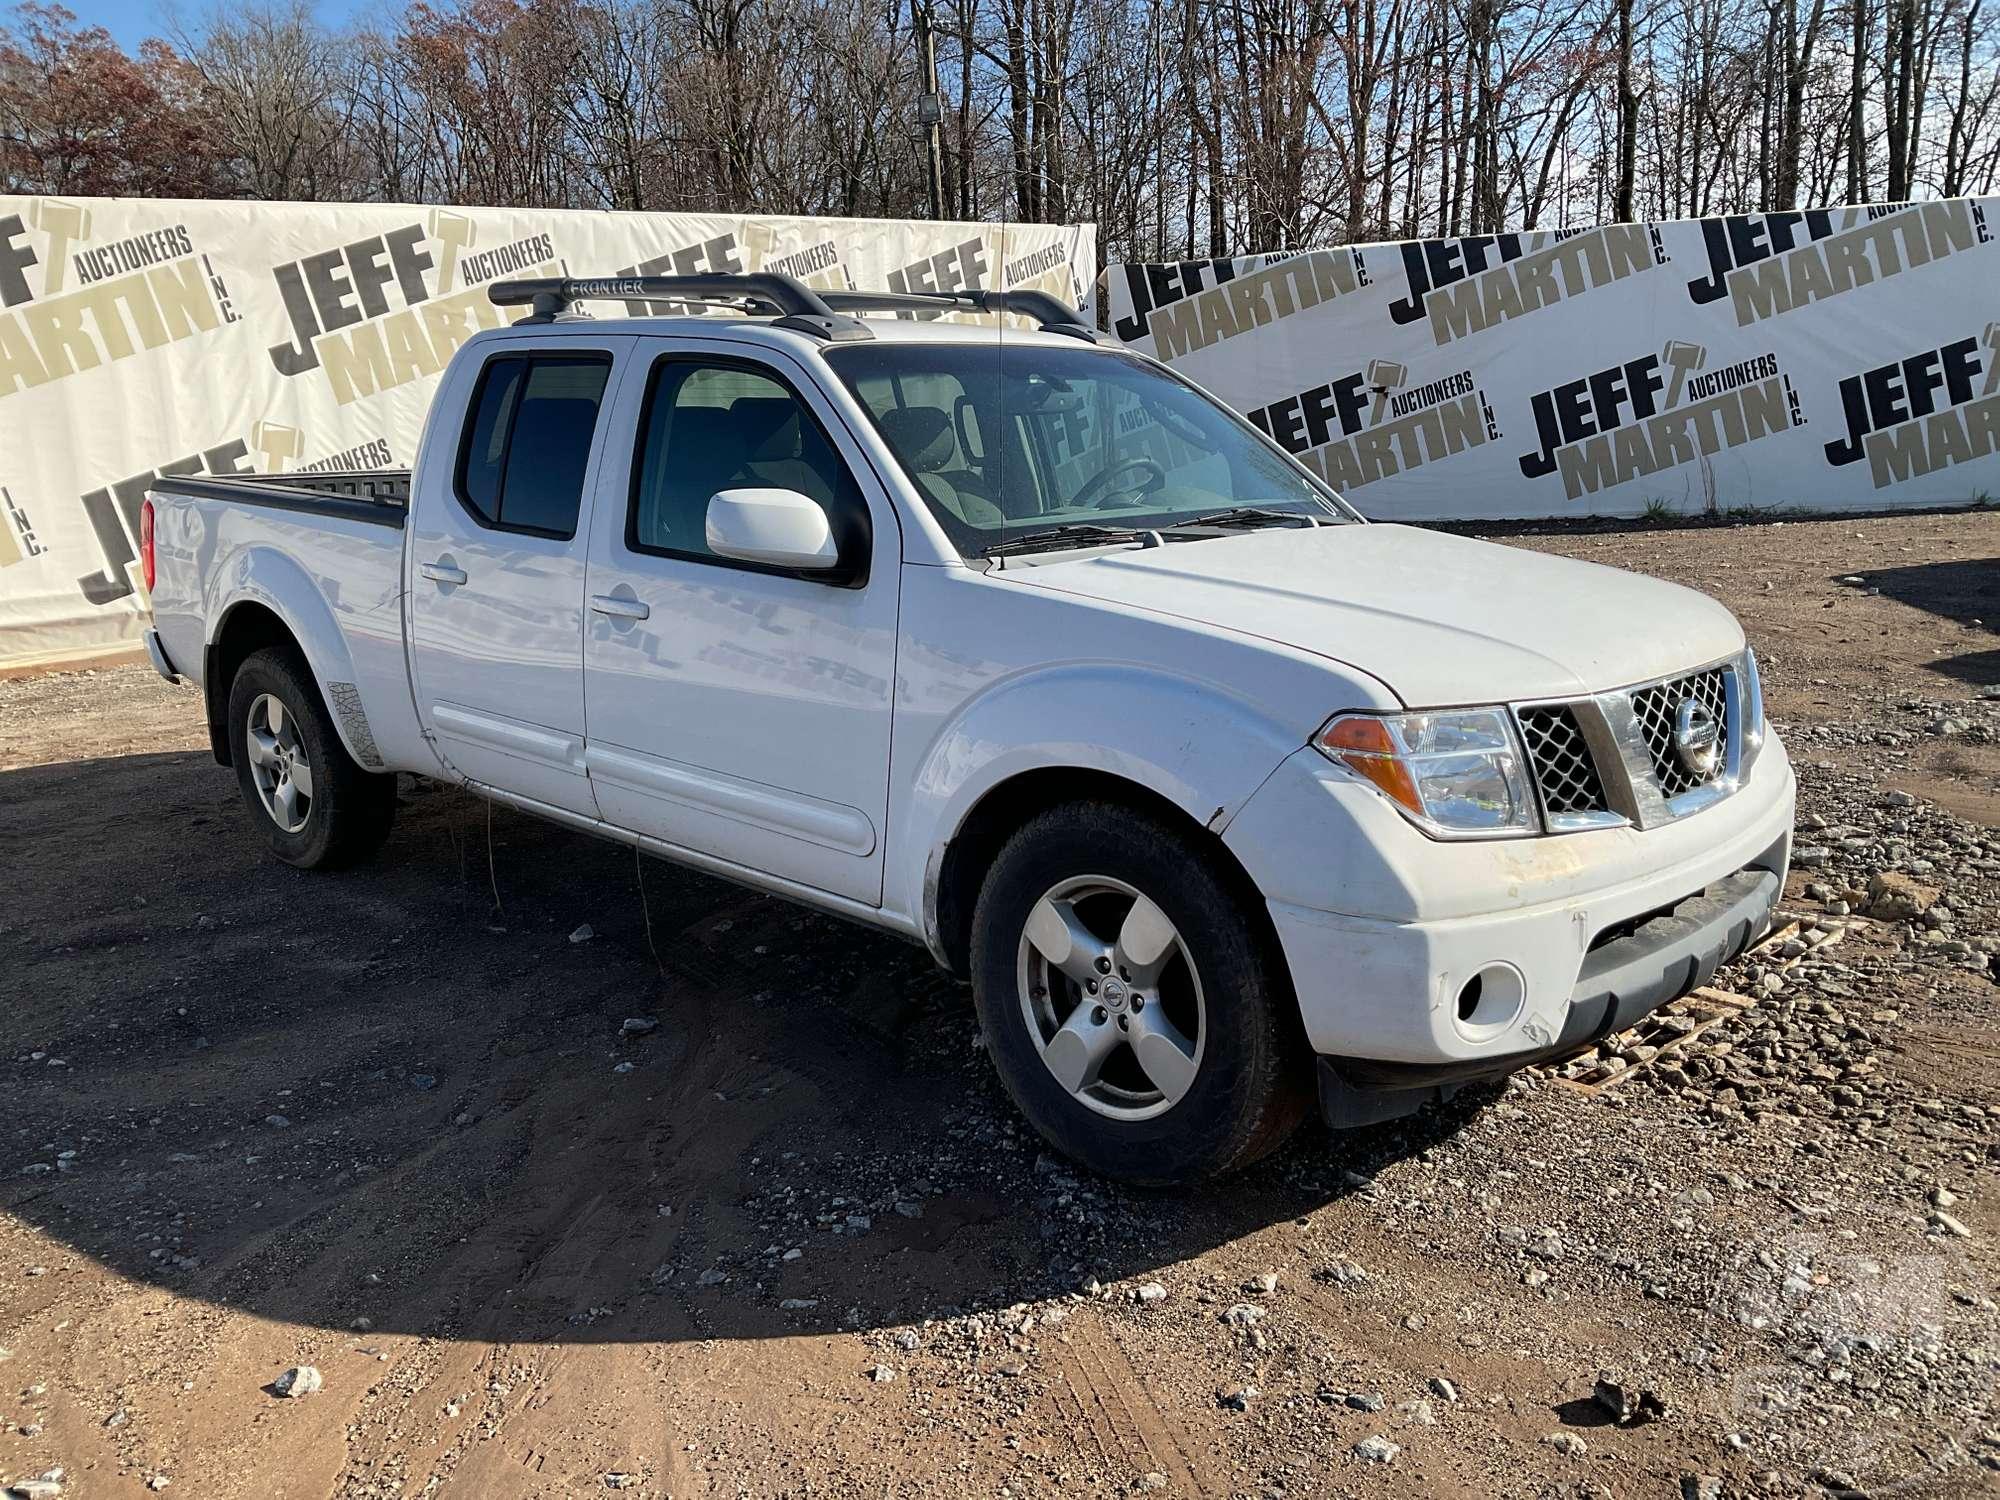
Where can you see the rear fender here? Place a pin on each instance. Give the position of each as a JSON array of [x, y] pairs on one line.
[[266, 576]]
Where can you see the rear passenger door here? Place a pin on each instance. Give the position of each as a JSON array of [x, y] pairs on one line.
[[737, 711], [500, 533]]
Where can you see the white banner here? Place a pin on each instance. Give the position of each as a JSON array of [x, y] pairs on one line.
[[1834, 359], [147, 336]]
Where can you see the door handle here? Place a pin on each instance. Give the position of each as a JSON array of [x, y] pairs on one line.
[[438, 572], [619, 608]]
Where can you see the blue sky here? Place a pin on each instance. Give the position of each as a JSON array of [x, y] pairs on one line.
[[132, 21]]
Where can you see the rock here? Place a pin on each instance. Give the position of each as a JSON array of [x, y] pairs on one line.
[[46, 1486], [299, 1380], [1238, 1399], [1344, 1273], [799, 1304], [1700, 1487], [583, 934], [1376, 1450], [713, 1276], [1627, 1406], [1894, 897], [1443, 1388], [625, 1067], [423, 1083], [1566, 1442], [1366, 1400], [158, 1482], [1151, 1293], [1152, 1479], [1263, 1285], [881, 1374], [638, 1026], [1244, 1315], [1811, 856], [1949, 1225], [277, 1122]]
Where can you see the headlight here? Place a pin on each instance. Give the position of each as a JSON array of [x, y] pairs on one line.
[[1752, 692], [1457, 774]]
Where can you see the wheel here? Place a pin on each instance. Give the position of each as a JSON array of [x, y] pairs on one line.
[[1136, 1010], [318, 808]]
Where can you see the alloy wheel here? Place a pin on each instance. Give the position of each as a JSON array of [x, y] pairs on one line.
[[1111, 997]]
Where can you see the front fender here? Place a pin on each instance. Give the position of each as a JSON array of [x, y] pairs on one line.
[[267, 576], [1199, 745]]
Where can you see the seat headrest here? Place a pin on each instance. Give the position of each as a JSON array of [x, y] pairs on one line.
[[921, 436], [766, 427]]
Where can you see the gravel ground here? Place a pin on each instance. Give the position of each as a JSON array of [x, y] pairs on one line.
[[511, 1166]]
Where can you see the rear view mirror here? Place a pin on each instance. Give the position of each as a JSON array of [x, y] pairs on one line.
[[777, 528]]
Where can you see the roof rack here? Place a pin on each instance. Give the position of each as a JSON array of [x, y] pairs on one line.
[[1051, 313], [798, 306]]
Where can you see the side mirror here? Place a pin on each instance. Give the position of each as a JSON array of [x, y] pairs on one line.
[[778, 528]]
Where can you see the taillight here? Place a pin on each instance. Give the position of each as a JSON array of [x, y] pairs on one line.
[[146, 543]]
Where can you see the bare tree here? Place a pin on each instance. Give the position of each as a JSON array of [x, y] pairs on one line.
[[1182, 127]]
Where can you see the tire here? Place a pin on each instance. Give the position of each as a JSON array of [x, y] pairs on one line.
[[1241, 1081], [337, 813]]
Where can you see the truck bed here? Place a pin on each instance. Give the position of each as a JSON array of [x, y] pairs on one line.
[[379, 497]]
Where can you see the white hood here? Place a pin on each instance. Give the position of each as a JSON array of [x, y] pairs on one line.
[[1441, 619]]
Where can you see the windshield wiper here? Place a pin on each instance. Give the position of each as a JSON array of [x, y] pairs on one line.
[[1070, 533], [1245, 515]]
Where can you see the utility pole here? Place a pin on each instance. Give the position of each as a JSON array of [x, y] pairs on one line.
[[930, 111]]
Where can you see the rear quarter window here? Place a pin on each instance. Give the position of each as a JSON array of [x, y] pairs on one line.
[[526, 448]]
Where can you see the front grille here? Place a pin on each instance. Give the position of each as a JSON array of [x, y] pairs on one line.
[[1564, 771], [1655, 708]]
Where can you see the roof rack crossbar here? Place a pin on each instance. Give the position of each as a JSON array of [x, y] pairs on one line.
[[1051, 313], [799, 306]]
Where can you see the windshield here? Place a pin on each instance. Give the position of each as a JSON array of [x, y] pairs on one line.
[[1006, 442]]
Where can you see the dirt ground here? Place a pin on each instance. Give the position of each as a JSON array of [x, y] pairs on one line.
[[794, 1241]]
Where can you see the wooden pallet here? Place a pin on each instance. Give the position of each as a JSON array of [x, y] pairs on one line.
[[1706, 1007]]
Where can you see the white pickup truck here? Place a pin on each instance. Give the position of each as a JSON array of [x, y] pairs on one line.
[[1017, 644]]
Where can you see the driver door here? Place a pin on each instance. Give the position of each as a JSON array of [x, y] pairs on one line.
[[738, 711]]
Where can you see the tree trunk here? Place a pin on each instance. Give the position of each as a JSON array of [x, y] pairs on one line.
[[1622, 208]]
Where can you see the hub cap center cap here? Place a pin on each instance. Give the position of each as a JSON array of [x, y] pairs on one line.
[[1114, 994]]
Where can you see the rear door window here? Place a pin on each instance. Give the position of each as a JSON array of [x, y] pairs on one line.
[[527, 445]]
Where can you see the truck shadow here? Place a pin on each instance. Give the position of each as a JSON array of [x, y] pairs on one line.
[[383, 1100], [1965, 591]]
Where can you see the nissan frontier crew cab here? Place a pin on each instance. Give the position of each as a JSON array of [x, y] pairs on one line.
[[1017, 644]]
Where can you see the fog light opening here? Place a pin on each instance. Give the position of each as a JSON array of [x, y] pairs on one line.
[[1491, 1001], [1468, 998]]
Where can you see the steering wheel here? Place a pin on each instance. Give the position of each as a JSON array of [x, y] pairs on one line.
[[1147, 476]]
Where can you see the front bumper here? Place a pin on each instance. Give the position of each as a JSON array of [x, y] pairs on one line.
[[1569, 937], [1623, 980]]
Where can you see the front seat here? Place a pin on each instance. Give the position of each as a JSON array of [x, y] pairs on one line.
[[921, 437], [767, 430]]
